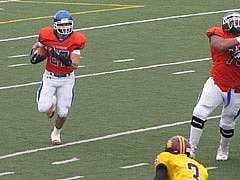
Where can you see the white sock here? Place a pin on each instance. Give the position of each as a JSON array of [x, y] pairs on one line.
[[56, 130], [224, 142], [195, 135]]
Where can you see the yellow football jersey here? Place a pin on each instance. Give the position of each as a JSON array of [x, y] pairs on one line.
[[181, 167]]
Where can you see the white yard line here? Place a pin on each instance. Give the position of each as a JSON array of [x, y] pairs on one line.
[[18, 65], [98, 138], [211, 168], [6, 173], [72, 178], [115, 71], [131, 22], [18, 56], [145, 164], [123, 60], [65, 161], [183, 72], [134, 165]]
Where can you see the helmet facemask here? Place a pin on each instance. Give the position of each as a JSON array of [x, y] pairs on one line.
[[64, 27], [231, 23]]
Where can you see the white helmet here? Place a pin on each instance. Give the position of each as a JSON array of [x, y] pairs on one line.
[[231, 22]]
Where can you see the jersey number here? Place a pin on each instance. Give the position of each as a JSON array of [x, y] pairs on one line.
[[194, 169], [56, 62]]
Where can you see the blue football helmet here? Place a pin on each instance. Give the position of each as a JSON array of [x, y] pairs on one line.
[[63, 23], [231, 22]]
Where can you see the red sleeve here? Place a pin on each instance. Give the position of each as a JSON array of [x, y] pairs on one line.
[[45, 34], [79, 41], [215, 31]]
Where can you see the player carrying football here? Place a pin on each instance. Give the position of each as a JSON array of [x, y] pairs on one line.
[[174, 163], [223, 85], [63, 47]]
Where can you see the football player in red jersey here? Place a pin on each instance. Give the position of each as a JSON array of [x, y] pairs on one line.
[[64, 47], [175, 164], [223, 85]]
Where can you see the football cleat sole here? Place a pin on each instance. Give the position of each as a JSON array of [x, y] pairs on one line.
[[55, 143]]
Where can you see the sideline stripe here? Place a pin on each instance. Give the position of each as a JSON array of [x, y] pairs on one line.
[[65, 161], [99, 138], [130, 22], [183, 72], [6, 173], [134, 165], [115, 71]]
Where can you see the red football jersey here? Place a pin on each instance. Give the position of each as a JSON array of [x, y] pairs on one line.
[[74, 41], [225, 68]]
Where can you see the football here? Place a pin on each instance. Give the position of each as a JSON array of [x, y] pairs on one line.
[[42, 52]]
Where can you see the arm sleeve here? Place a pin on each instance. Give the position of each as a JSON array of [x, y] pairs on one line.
[[214, 31], [161, 172]]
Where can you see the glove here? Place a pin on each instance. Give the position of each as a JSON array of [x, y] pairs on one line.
[[65, 60], [36, 58]]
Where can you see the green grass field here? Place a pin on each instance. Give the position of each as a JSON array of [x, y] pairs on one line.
[[118, 116]]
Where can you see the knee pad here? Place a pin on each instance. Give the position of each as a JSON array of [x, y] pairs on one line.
[[227, 133], [197, 122]]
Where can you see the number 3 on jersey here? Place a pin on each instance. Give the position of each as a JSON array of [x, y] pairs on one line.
[[194, 169], [57, 62]]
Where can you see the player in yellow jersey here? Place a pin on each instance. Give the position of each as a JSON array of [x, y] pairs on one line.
[[174, 163]]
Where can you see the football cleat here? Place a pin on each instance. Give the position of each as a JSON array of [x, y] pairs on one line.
[[51, 110], [222, 153], [55, 137], [178, 145]]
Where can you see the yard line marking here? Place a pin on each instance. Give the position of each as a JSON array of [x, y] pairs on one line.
[[9, 1], [183, 72], [115, 71], [25, 55], [72, 178], [79, 3], [17, 56], [210, 168], [131, 22], [81, 66], [73, 13], [17, 65], [6, 173], [123, 60], [99, 138], [65, 161], [145, 164], [134, 165]]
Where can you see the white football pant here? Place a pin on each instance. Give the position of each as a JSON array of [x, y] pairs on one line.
[[62, 87], [211, 97]]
